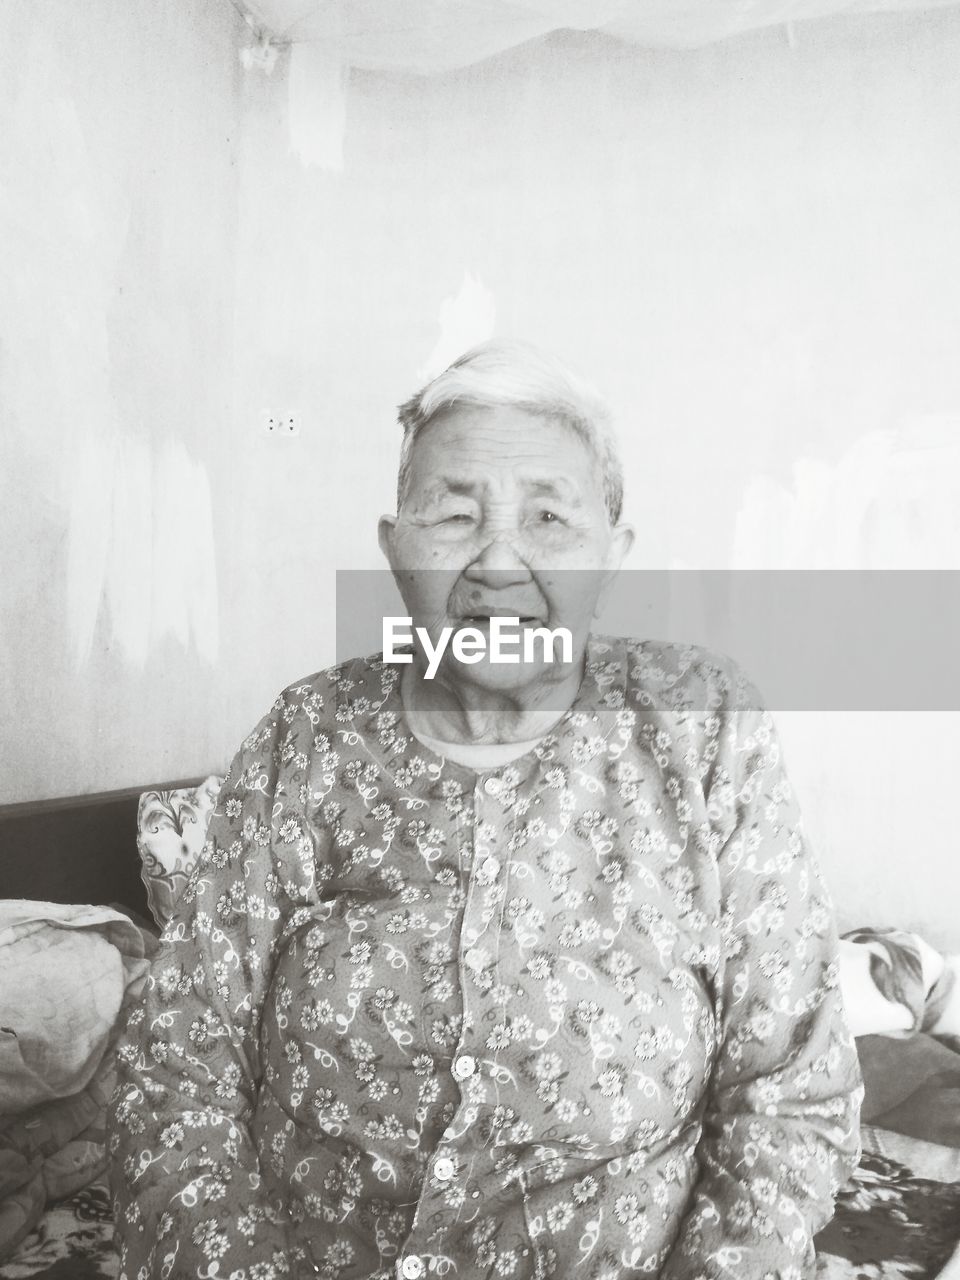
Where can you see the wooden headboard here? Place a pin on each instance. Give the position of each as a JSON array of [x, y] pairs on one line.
[[76, 849]]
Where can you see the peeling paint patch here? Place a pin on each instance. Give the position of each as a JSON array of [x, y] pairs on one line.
[[890, 501], [466, 318], [141, 546]]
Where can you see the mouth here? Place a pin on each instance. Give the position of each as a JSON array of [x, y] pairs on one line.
[[483, 619]]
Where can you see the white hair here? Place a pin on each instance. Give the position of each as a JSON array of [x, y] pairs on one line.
[[521, 376]]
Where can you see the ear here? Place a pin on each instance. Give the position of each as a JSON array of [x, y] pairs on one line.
[[621, 542], [386, 531]]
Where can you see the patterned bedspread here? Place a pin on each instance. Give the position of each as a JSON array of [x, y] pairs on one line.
[[73, 1241], [891, 1224]]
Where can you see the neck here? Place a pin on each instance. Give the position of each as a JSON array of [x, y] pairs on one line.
[[452, 712]]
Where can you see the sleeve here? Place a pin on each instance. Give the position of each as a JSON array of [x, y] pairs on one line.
[[781, 1123], [189, 1199]]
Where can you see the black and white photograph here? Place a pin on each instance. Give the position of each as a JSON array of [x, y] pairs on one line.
[[479, 639]]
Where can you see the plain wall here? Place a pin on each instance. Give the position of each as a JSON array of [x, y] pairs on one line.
[[118, 236], [751, 248]]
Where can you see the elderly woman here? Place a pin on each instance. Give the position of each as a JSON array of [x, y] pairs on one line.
[[522, 970]]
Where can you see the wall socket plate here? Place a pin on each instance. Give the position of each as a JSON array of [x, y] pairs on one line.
[[283, 425]]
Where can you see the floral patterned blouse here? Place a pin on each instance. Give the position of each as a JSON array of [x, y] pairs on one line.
[[578, 1016]]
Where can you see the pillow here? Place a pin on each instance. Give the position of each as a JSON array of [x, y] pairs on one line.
[[171, 829], [895, 984]]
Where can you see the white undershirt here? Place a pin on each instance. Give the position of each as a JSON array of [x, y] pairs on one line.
[[478, 756]]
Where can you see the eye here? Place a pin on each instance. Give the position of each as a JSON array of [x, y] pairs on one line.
[[548, 517], [458, 517]]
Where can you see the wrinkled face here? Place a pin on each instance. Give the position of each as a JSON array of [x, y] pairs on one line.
[[504, 515]]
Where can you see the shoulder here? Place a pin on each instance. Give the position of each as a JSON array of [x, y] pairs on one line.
[[678, 678], [301, 724], [316, 702]]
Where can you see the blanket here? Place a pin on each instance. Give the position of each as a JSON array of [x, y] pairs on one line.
[[67, 974]]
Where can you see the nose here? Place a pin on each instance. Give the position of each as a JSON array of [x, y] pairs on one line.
[[498, 565]]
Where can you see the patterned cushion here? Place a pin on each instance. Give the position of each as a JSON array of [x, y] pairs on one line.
[[171, 829]]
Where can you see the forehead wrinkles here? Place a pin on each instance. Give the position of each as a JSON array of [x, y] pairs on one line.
[[463, 442], [507, 494], [451, 461], [502, 487]]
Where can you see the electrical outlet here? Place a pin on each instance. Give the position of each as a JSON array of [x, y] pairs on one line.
[[281, 424]]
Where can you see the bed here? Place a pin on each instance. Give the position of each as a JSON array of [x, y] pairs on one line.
[[127, 854]]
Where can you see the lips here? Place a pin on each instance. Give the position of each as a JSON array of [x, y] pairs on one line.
[[482, 617]]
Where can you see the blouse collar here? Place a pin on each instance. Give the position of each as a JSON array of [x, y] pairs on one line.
[[370, 709]]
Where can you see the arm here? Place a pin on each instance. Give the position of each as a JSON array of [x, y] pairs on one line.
[[781, 1131], [185, 1170]]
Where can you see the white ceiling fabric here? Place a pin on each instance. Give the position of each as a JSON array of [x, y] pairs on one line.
[[438, 35]]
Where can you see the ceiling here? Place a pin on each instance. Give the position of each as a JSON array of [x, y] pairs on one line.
[[438, 35]]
